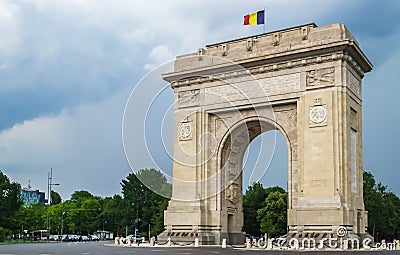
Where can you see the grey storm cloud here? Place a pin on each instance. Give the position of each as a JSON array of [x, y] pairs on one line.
[[67, 69]]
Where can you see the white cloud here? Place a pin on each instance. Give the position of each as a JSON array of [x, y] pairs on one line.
[[159, 55], [9, 28], [85, 55]]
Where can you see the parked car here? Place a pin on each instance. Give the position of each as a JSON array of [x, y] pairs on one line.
[[94, 238], [55, 238], [65, 238], [138, 238], [85, 238]]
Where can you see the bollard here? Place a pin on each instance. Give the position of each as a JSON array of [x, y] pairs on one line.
[[248, 243], [224, 243], [128, 242], [345, 245], [116, 241], [196, 242], [152, 241], [383, 245], [269, 244], [169, 242]]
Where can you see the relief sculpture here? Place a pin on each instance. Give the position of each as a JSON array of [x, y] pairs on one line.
[[324, 76], [188, 98], [232, 193]]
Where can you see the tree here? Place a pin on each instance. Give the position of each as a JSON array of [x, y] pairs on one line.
[[55, 198], [383, 209], [273, 216], [143, 200], [10, 201], [253, 200], [80, 195], [112, 214], [31, 217]]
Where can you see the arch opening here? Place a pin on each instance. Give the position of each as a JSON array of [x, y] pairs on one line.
[[264, 133]]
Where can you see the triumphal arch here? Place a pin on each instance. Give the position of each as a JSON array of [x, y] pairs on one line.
[[305, 82]]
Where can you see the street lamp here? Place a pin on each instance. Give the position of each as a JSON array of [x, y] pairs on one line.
[[49, 185], [62, 222]]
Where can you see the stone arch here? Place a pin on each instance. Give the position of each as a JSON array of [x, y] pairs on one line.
[[309, 78], [232, 147]]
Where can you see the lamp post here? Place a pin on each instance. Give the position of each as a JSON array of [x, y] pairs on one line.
[[62, 222], [49, 185]]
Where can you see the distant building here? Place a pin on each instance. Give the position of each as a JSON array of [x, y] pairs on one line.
[[31, 197]]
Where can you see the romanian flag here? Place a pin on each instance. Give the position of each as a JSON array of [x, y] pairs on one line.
[[255, 18]]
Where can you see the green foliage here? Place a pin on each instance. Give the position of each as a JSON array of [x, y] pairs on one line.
[[273, 216], [143, 201], [253, 200], [10, 201], [84, 213], [383, 209], [55, 198], [80, 195], [32, 217], [4, 233]]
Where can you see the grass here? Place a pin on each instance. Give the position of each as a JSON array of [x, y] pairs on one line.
[[21, 241]]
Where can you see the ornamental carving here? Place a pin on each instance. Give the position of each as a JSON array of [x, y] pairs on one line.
[[232, 193], [321, 77], [318, 114], [185, 131], [188, 98]]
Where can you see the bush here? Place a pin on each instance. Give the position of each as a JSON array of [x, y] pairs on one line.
[[4, 233]]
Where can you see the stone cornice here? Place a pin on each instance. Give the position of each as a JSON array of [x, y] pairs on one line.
[[273, 67]]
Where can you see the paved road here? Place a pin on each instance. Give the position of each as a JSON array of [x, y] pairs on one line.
[[100, 248]]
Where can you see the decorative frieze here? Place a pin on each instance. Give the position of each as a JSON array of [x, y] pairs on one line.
[[326, 77], [321, 77], [188, 98], [244, 91]]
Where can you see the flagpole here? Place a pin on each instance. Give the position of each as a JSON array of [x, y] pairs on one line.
[[264, 21]]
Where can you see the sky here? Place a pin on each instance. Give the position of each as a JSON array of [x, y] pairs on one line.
[[68, 69]]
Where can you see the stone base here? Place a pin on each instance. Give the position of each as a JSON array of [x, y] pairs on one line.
[[186, 238], [205, 238]]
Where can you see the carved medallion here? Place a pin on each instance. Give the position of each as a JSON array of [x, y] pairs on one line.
[[318, 114], [185, 130]]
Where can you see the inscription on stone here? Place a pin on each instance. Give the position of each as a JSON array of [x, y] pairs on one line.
[[269, 86], [353, 84]]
